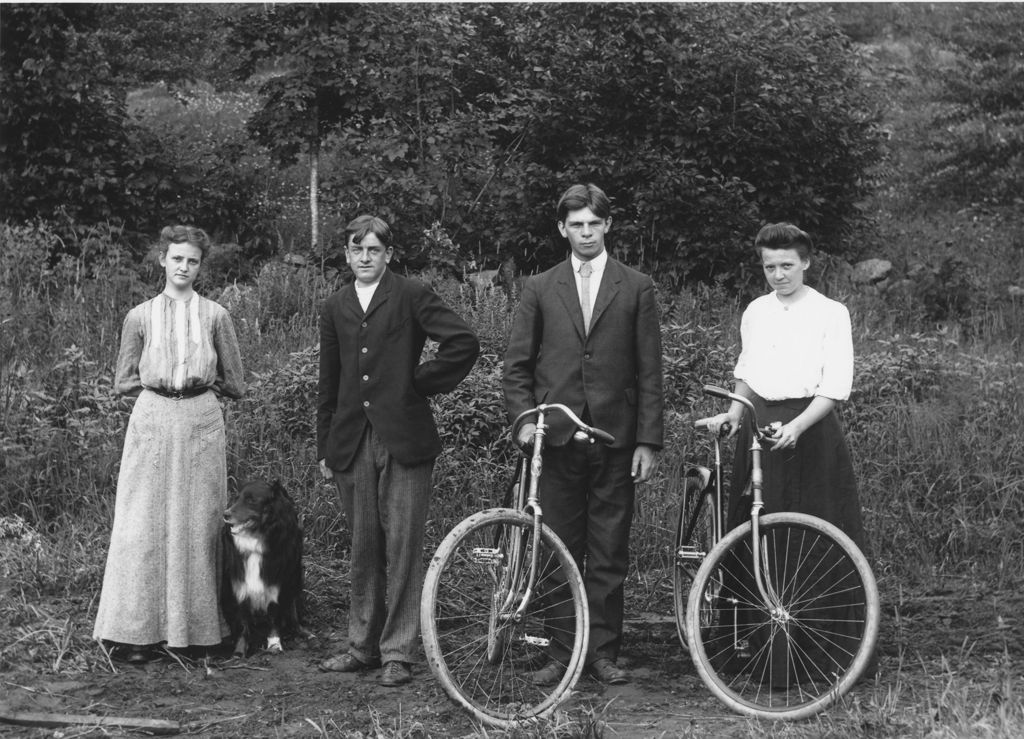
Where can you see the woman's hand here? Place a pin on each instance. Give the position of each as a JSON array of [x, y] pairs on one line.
[[786, 436], [714, 424], [789, 434]]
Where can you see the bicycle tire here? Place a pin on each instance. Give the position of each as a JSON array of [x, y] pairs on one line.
[[808, 656], [695, 537], [485, 662]]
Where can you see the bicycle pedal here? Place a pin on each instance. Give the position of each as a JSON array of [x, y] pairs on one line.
[[537, 641], [488, 555], [690, 553]]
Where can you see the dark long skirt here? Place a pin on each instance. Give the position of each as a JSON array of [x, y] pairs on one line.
[[815, 478]]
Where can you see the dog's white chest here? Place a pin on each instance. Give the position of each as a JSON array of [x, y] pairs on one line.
[[252, 587]]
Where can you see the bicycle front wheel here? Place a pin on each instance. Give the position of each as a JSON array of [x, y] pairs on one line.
[[695, 537], [794, 657], [480, 643]]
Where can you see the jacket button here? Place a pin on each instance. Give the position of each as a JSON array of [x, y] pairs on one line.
[[364, 324], [366, 404], [364, 350], [365, 378], [587, 355]]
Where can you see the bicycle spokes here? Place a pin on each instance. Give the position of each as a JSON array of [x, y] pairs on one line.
[[486, 631], [797, 612]]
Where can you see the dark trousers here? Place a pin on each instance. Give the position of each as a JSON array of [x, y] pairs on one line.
[[587, 493], [386, 504]]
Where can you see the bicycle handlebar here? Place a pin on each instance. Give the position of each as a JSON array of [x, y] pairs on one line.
[[723, 430], [768, 431], [591, 431], [721, 392]]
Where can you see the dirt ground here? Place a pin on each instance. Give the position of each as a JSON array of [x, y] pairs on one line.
[[285, 695]]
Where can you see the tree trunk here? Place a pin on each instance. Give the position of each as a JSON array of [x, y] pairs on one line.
[[314, 188], [314, 182]]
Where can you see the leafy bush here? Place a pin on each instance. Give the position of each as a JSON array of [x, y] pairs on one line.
[[68, 146], [208, 171], [702, 122]]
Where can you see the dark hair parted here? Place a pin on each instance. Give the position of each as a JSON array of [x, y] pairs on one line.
[[784, 236], [359, 227], [184, 235], [578, 197]]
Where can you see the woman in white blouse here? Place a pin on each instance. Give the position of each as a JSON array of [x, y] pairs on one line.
[[178, 356], [795, 366]]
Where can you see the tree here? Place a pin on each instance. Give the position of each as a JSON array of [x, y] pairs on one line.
[[64, 134], [704, 121], [978, 137], [176, 44], [312, 80]]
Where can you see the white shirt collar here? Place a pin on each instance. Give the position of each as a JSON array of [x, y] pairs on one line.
[[597, 263], [364, 293]]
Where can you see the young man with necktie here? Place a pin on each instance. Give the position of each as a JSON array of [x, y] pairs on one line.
[[586, 334]]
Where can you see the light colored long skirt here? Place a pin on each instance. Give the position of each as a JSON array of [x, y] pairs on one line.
[[162, 576]]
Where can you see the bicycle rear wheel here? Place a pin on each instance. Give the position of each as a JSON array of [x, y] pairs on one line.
[[480, 649], [695, 537], [795, 660]]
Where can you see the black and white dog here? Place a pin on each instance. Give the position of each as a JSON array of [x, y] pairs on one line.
[[262, 584]]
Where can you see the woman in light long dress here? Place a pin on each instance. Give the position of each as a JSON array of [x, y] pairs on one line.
[[178, 357]]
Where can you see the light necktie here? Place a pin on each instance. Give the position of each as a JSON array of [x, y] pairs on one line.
[[585, 271]]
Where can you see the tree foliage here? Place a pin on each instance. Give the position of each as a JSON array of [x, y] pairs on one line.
[[174, 44], [64, 132], [978, 138], [702, 122], [459, 123]]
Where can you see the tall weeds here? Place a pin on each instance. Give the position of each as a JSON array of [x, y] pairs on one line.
[[931, 420]]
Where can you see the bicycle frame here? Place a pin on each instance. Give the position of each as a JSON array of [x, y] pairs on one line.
[[532, 503], [764, 588], [717, 520]]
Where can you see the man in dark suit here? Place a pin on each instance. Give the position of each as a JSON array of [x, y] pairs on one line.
[[377, 439], [586, 334]]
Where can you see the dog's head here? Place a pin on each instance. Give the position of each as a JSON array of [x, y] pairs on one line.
[[258, 505]]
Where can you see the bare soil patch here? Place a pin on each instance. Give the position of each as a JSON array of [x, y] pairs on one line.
[[286, 695]]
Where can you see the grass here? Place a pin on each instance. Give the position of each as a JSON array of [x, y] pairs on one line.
[[941, 473]]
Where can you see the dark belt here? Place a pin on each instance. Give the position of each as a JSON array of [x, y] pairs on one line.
[[191, 392]]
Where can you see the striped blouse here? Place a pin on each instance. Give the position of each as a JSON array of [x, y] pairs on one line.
[[177, 345]]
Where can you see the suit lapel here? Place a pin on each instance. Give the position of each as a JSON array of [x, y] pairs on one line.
[[610, 283], [349, 301], [382, 293], [566, 288]]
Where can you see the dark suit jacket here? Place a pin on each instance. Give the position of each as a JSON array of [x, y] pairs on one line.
[[370, 370], [615, 371]]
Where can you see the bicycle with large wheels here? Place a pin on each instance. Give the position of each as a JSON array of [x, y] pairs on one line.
[[782, 614], [503, 597]]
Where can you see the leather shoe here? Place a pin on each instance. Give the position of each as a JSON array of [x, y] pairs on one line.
[[346, 663], [547, 675], [395, 674], [138, 656], [608, 672]]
